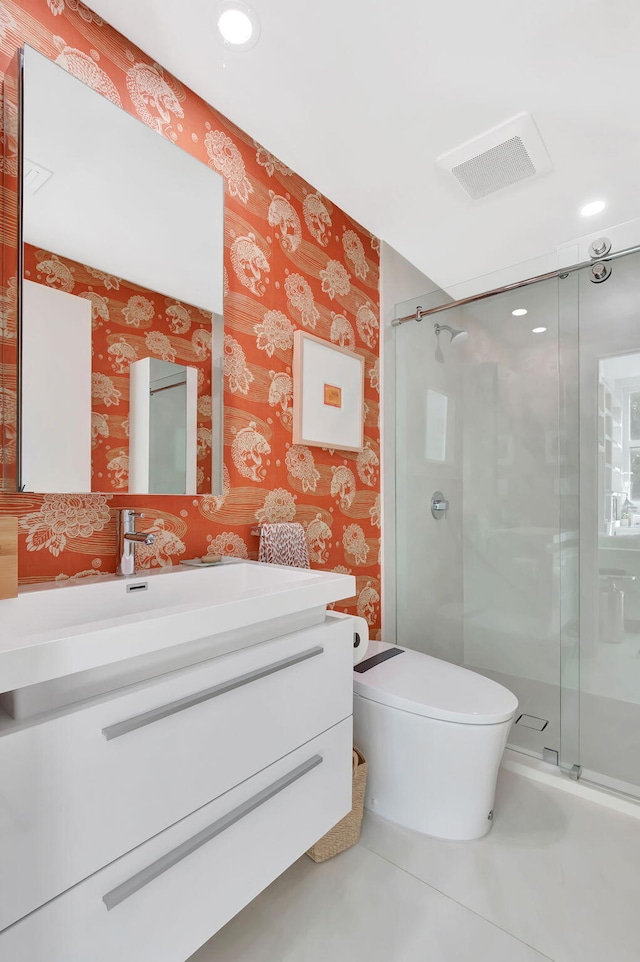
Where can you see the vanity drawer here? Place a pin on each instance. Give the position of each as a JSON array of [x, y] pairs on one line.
[[162, 901], [81, 789]]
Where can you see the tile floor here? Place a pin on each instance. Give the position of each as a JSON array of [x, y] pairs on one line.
[[557, 878]]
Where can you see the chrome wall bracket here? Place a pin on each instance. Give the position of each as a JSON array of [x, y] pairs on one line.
[[439, 505], [600, 272], [600, 247]]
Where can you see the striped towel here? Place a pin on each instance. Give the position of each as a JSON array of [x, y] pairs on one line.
[[284, 544]]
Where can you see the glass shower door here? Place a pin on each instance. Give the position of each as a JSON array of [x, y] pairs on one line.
[[493, 584]]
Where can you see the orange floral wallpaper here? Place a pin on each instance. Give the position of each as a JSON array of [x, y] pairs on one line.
[[292, 260], [128, 323]]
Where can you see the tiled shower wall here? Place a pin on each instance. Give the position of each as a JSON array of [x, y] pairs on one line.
[[292, 260]]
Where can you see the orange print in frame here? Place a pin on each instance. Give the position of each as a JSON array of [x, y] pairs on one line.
[[332, 396], [319, 366]]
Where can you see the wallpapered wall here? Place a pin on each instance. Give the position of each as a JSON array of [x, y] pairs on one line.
[[129, 322], [292, 260]]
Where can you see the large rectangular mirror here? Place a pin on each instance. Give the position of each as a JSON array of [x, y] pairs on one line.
[[120, 303]]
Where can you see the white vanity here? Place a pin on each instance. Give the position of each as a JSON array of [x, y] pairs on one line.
[[169, 744]]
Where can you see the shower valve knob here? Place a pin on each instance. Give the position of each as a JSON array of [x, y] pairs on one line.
[[439, 505]]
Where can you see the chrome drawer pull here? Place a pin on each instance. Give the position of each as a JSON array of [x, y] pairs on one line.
[[157, 868], [148, 717]]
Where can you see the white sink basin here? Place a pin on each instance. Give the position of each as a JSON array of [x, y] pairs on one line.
[[57, 629]]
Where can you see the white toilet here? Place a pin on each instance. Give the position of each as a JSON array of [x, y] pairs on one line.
[[433, 734]]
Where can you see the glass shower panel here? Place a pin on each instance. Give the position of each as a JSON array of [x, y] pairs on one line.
[[569, 502], [493, 585], [610, 526], [428, 437]]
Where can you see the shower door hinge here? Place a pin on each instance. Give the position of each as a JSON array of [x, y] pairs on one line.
[[574, 772], [550, 756]]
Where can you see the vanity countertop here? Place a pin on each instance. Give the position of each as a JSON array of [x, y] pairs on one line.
[[54, 629]]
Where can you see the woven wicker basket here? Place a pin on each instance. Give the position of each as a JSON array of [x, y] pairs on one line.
[[347, 832]]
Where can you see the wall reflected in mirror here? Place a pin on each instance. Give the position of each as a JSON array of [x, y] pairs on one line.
[[83, 332]]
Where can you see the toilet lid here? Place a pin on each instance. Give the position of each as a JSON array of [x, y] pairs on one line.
[[427, 686]]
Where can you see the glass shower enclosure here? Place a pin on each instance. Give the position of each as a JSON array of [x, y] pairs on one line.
[[522, 411]]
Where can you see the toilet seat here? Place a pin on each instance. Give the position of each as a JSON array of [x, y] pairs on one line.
[[417, 683]]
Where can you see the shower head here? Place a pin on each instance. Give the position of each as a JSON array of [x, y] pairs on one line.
[[454, 334], [459, 336]]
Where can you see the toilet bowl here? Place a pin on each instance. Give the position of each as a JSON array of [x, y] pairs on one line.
[[433, 734]]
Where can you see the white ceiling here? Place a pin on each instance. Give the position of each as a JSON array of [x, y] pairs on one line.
[[360, 97]]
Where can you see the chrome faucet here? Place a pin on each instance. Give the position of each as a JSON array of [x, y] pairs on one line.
[[128, 538]]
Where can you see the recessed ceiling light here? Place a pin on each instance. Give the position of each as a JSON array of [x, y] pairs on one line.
[[237, 24], [538, 330], [593, 208], [521, 311]]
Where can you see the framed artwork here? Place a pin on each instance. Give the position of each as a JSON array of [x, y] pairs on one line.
[[328, 394]]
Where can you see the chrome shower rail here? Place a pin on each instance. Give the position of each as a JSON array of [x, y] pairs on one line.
[[419, 313]]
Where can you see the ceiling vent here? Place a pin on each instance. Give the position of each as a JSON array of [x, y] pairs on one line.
[[35, 176], [503, 156]]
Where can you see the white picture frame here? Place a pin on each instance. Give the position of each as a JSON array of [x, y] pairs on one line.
[[328, 394]]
